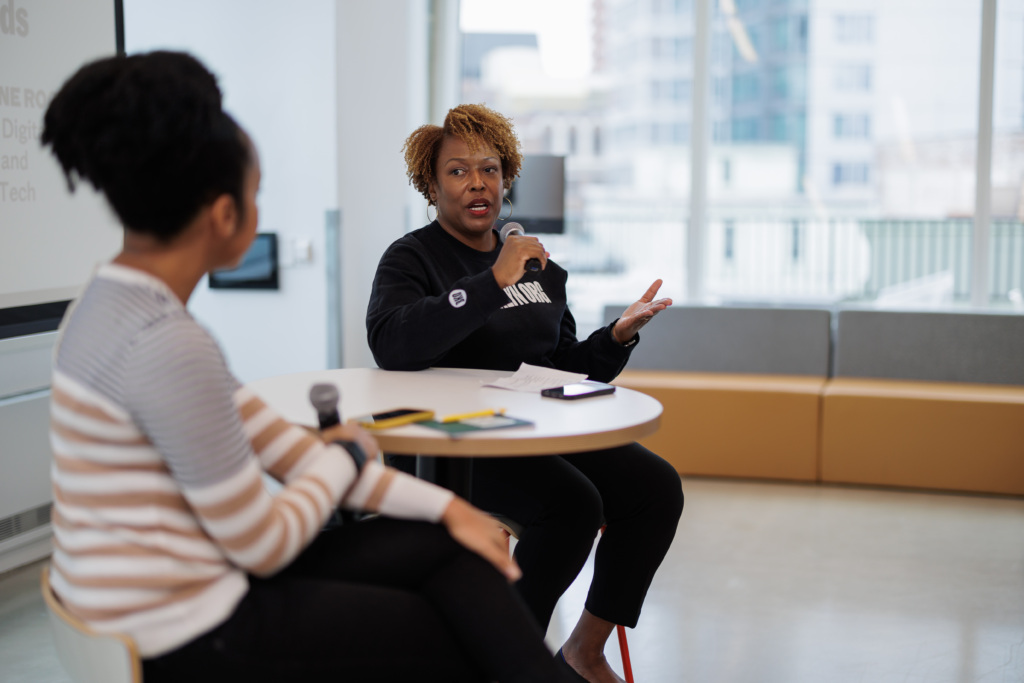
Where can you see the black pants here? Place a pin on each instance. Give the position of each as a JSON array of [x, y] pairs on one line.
[[380, 600], [561, 501]]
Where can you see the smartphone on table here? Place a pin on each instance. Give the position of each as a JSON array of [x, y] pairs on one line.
[[394, 418], [578, 390]]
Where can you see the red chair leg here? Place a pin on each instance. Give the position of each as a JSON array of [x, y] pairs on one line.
[[627, 668]]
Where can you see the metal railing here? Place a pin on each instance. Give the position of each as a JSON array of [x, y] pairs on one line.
[[907, 263]]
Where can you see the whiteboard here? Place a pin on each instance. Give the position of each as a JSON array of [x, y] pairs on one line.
[[50, 239]]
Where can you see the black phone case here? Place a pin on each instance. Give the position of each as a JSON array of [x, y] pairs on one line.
[[557, 393]]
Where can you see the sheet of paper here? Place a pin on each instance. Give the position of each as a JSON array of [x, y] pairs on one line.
[[533, 379]]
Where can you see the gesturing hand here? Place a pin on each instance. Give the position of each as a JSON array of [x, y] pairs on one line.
[[479, 532], [639, 314]]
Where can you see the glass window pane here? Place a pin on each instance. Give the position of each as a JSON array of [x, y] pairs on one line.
[[852, 170], [1006, 253], [627, 198], [843, 144]]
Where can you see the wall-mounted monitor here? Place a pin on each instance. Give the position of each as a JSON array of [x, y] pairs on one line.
[[258, 269], [538, 195]]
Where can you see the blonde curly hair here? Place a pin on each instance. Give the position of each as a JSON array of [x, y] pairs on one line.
[[474, 124]]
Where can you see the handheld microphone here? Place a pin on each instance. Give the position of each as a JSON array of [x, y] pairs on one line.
[[324, 398], [532, 265]]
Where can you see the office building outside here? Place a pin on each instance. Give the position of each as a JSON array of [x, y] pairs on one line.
[[842, 161]]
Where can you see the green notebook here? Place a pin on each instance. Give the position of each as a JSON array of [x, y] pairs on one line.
[[476, 424]]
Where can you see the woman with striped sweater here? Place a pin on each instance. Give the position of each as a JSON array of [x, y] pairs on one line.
[[163, 528]]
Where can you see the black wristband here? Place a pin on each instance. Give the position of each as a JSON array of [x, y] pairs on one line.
[[355, 451]]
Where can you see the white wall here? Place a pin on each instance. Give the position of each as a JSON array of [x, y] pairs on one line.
[[379, 104], [276, 66]]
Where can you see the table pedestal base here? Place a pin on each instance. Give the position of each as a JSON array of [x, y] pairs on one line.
[[455, 474]]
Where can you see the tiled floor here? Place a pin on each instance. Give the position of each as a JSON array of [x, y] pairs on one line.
[[775, 583]]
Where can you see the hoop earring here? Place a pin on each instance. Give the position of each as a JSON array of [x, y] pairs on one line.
[[509, 210], [437, 213]]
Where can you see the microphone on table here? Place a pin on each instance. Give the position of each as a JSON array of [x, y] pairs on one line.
[[532, 265]]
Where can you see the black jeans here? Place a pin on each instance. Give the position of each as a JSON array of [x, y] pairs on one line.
[[380, 600], [561, 501]]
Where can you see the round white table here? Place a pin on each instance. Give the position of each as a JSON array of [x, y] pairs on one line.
[[558, 426]]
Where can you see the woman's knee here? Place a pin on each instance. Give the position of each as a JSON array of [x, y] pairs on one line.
[[667, 489]]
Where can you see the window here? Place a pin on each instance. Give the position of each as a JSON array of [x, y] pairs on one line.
[[855, 28], [851, 126], [744, 130], [682, 48], [720, 90], [850, 174], [679, 90], [746, 87], [788, 128], [790, 82], [781, 36], [669, 133], [853, 77], [669, 49], [825, 211], [721, 52], [720, 131]]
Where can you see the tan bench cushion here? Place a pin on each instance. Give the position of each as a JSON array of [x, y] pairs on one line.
[[760, 426], [961, 437]]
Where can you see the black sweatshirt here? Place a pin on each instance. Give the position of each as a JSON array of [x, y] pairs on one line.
[[435, 303]]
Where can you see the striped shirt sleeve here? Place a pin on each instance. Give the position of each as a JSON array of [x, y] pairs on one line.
[[217, 440]]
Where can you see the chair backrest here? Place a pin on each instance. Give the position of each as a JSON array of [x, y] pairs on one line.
[[982, 348], [87, 656], [759, 341]]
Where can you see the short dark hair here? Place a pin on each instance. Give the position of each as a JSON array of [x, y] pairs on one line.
[[150, 133]]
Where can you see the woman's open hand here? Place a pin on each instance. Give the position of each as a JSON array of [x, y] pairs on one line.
[[480, 533], [639, 314]]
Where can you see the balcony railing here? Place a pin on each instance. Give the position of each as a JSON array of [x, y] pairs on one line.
[[900, 263]]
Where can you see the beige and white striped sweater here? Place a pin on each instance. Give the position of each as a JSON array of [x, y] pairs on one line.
[[160, 509]]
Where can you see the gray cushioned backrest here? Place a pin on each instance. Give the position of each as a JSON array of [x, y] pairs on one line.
[[941, 347], [774, 341]]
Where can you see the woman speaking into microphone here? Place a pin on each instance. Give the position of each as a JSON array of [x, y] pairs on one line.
[[453, 294]]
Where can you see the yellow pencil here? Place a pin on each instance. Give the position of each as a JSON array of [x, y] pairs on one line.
[[466, 416]]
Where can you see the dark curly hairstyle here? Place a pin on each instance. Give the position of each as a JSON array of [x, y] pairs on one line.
[[474, 124], [149, 132]]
